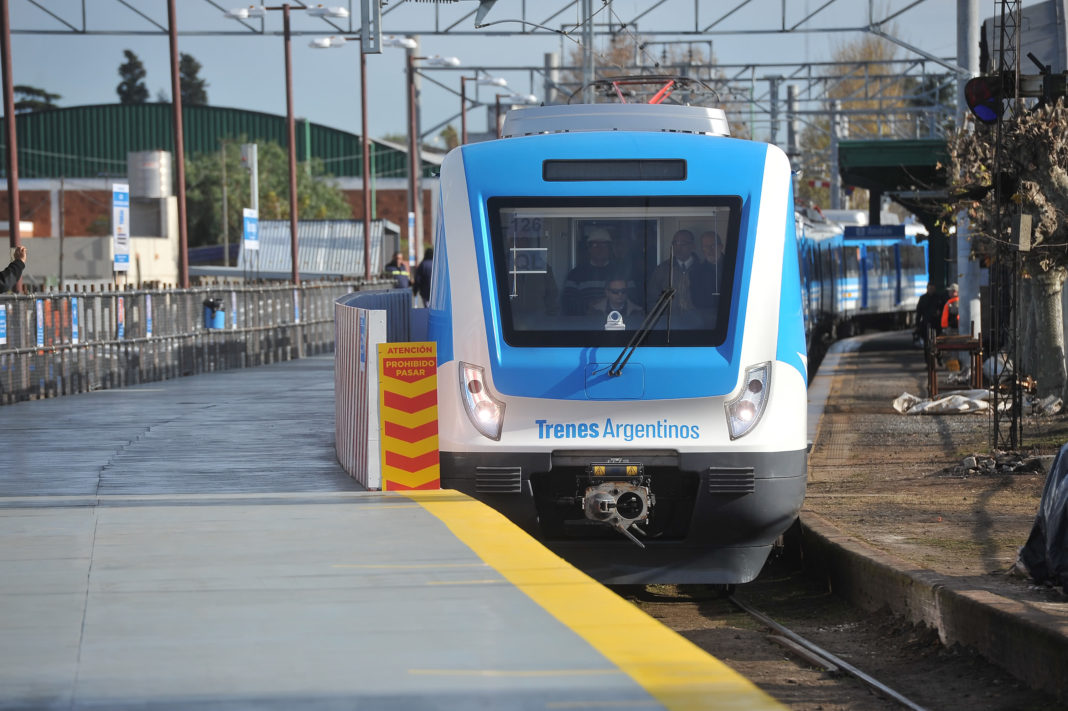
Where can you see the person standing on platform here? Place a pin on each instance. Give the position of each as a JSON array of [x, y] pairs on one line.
[[950, 310], [421, 278], [950, 321], [928, 315], [397, 270], [13, 272]]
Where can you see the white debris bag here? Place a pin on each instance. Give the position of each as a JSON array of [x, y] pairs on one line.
[[997, 367], [960, 402]]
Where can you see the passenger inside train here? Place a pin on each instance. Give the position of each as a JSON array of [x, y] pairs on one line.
[[625, 255]]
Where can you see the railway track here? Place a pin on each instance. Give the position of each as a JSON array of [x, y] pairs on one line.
[[813, 652]]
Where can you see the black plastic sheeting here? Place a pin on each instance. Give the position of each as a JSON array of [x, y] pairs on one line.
[[1046, 552]]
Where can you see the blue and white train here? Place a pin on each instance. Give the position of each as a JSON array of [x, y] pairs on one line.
[[648, 422], [851, 282]]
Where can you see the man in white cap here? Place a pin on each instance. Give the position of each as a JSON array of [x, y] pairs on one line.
[[585, 283], [950, 310]]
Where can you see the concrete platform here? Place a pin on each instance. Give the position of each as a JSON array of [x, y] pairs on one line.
[[193, 544], [964, 593]]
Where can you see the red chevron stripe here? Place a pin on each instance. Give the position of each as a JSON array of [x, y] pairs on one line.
[[411, 434], [410, 404], [394, 486], [412, 464]]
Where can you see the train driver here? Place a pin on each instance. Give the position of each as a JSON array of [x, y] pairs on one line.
[[616, 299]]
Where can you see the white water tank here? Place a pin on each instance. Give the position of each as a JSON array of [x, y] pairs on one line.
[[149, 173]]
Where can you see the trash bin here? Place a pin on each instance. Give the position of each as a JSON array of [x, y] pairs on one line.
[[214, 314]]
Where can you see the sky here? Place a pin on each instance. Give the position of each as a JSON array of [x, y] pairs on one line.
[[247, 71]]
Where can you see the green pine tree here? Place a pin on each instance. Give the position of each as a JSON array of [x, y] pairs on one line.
[[132, 89], [193, 88]]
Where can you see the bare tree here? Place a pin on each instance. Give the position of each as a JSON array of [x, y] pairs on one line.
[[1033, 180], [868, 89]]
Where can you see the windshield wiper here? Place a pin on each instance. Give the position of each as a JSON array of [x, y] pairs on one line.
[[642, 332]]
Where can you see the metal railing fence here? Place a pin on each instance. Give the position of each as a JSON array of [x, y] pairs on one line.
[[60, 343]]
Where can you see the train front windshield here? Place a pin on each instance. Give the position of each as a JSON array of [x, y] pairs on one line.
[[580, 272]]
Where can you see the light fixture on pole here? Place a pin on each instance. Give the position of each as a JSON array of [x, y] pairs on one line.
[[512, 100], [414, 161], [260, 11], [365, 143], [492, 81]]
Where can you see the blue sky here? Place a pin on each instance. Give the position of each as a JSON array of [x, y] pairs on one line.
[[248, 71]]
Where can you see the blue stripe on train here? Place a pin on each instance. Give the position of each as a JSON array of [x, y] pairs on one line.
[[440, 316], [790, 348]]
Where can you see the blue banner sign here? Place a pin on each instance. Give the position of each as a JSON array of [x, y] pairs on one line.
[[40, 323], [874, 231], [251, 228], [120, 225], [74, 320]]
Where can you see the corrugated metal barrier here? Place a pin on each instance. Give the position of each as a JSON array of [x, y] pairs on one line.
[[60, 343], [327, 247], [362, 321]]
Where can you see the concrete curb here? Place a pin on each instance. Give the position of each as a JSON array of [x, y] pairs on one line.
[[1019, 638], [1015, 636]]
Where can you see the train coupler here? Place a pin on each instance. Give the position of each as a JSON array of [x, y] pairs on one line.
[[619, 504]]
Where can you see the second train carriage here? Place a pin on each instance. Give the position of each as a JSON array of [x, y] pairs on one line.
[[853, 282], [647, 421]]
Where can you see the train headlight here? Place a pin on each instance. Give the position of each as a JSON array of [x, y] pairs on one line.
[[485, 411], [744, 411]]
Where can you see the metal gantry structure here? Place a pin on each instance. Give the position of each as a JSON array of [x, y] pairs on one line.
[[751, 90], [835, 100], [1007, 420]]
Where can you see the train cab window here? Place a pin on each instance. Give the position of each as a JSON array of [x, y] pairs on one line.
[[587, 271]]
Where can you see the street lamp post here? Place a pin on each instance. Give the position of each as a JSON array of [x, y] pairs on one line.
[[497, 115], [414, 198], [512, 100], [291, 131], [365, 168], [494, 81], [365, 143], [11, 142]]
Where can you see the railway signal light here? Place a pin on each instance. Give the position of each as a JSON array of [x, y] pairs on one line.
[[985, 97]]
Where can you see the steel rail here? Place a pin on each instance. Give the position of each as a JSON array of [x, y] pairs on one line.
[[816, 649]]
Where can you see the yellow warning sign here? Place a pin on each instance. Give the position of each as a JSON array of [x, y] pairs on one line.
[[408, 407]]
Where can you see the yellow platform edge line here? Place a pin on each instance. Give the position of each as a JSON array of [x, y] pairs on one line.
[[673, 670]]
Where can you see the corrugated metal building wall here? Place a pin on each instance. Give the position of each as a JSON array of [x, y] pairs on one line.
[[92, 141]]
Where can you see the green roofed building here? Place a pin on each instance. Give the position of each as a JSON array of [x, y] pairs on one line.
[[93, 141]]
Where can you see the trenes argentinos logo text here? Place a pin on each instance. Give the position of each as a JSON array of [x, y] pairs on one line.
[[609, 430]]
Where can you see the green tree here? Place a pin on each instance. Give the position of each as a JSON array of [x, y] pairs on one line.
[[132, 89], [30, 98], [318, 198], [193, 88]]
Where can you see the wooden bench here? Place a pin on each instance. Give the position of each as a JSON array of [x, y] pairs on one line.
[[946, 344]]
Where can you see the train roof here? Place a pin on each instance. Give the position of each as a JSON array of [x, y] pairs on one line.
[[572, 118]]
